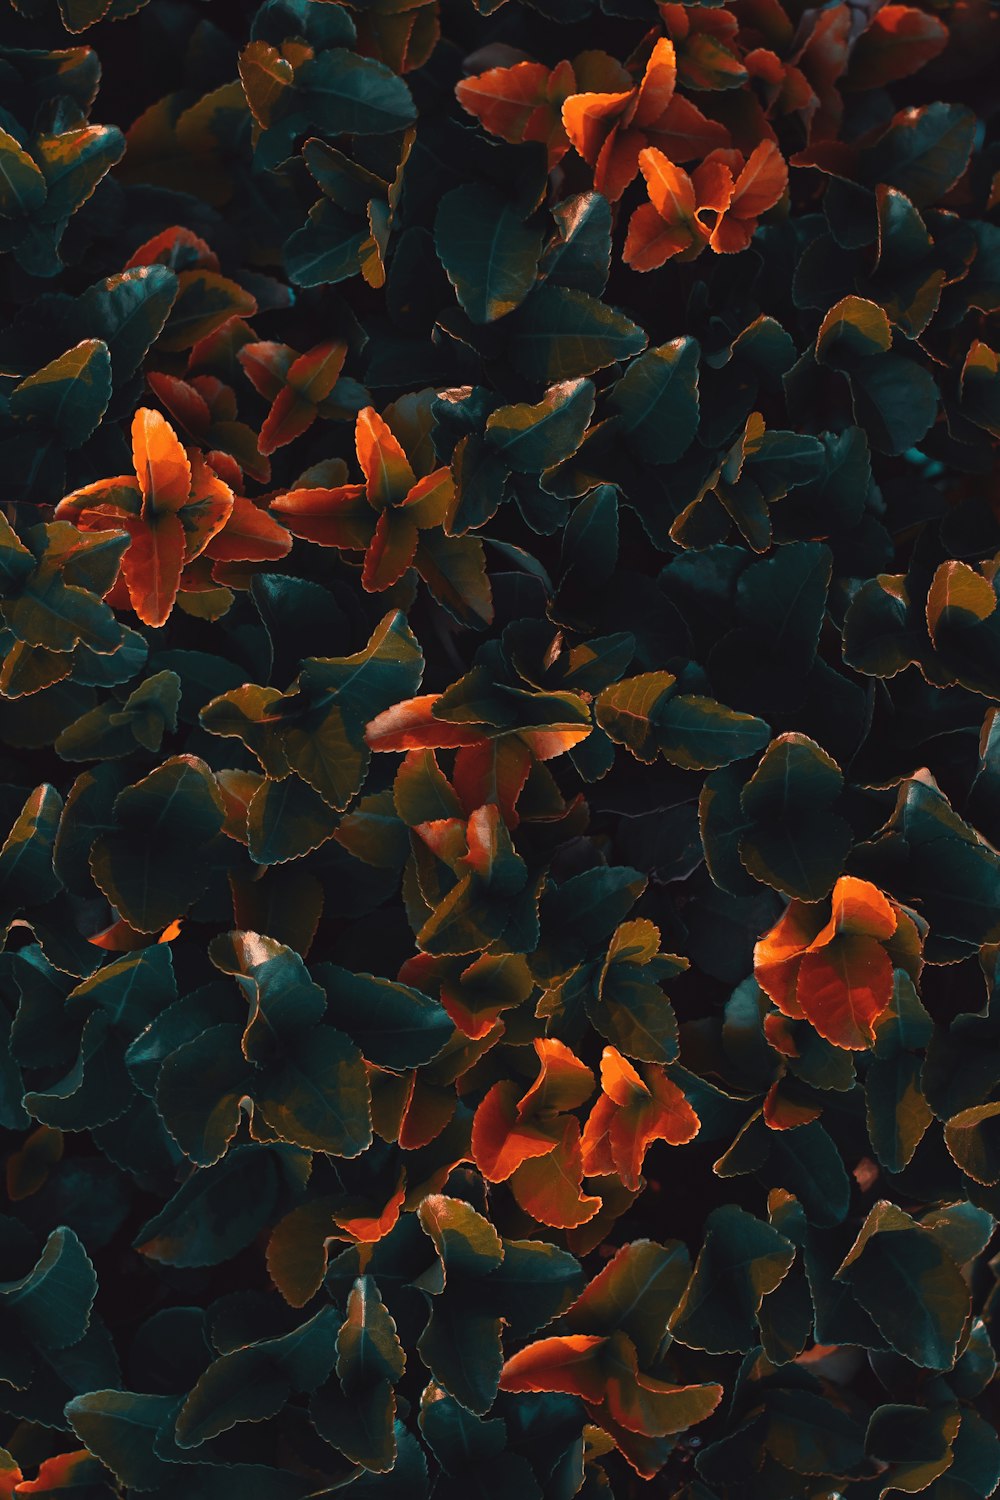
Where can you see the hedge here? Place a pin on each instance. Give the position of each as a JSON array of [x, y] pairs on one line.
[[499, 755]]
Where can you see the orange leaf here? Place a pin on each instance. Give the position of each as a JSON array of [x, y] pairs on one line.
[[549, 1188], [249, 535], [657, 87], [504, 99], [843, 988], [761, 182], [860, 908], [370, 1228], [152, 567], [390, 551], [208, 509], [651, 240], [493, 771], [634, 1110], [684, 134], [161, 465], [315, 373], [569, 1364], [777, 955], [63, 1472], [670, 189], [388, 475], [291, 415], [546, 744], [411, 725], [588, 120], [501, 1142], [338, 517], [618, 161], [563, 1081]]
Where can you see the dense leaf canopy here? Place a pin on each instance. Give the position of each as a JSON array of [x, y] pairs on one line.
[[499, 754]]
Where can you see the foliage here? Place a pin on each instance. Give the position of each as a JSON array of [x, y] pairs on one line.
[[500, 796]]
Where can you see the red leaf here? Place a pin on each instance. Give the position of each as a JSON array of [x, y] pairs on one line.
[[493, 771], [266, 365], [291, 415], [183, 401], [837, 974], [899, 40], [177, 247], [651, 241]]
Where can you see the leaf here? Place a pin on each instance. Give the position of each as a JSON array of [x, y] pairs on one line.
[[854, 329], [563, 334], [909, 1285], [219, 1210], [158, 825], [741, 1260], [22, 184], [895, 400], [350, 95], [924, 152], [533, 438], [251, 1383], [657, 401], [51, 1305], [636, 1292], [699, 734], [489, 255], [899, 40], [395, 1026], [68, 397], [205, 301], [120, 1427], [368, 1349], [797, 843], [972, 1138]]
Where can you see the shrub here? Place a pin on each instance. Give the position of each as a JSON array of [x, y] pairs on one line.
[[500, 766]]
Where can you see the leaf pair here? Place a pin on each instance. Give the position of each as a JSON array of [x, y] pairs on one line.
[[837, 972], [396, 520], [718, 205]]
